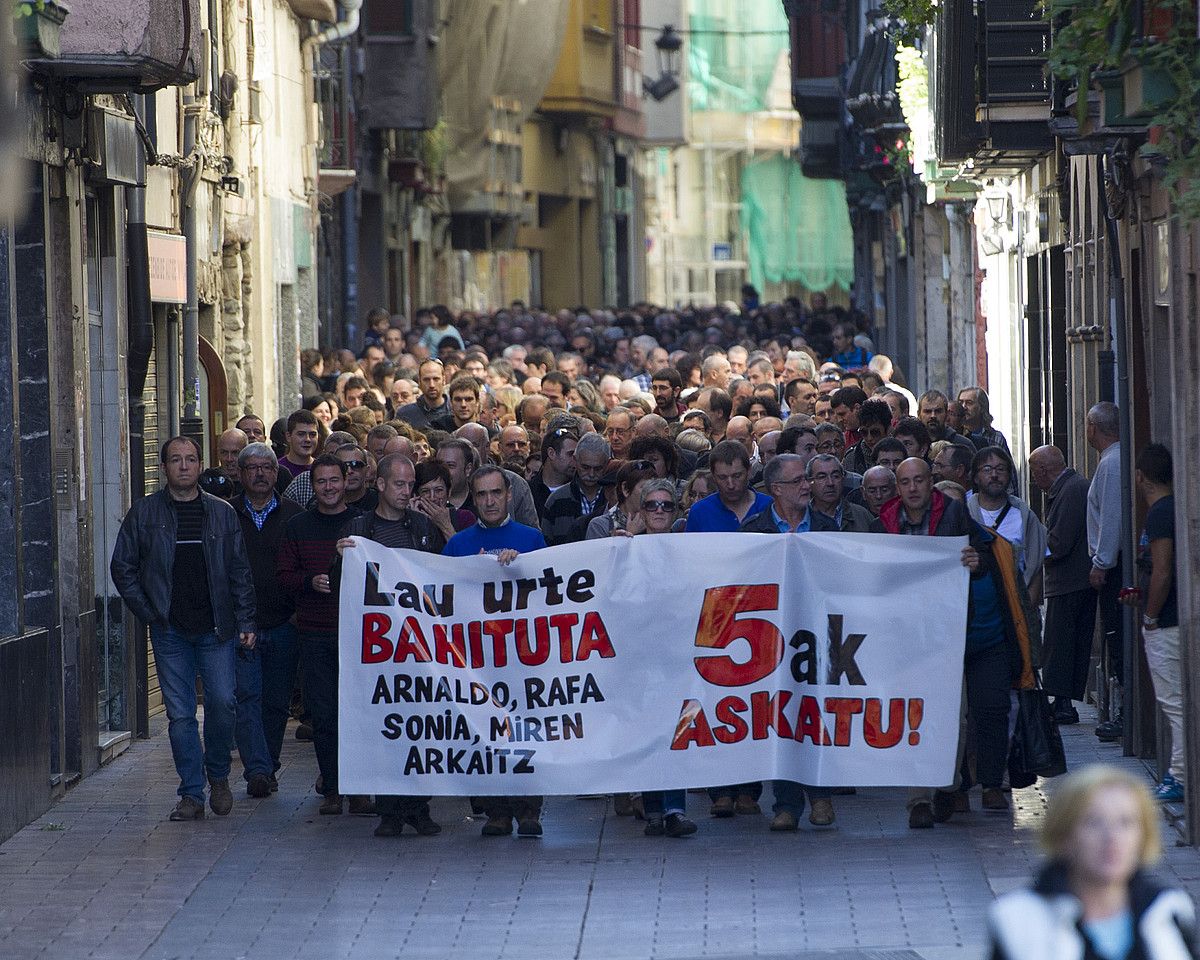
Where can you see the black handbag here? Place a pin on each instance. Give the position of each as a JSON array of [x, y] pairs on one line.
[[1037, 747]]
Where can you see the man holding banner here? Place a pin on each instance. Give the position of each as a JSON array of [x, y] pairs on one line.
[[498, 534], [1000, 637], [786, 480], [392, 524]]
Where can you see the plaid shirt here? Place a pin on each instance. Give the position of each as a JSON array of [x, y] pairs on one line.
[[260, 516]]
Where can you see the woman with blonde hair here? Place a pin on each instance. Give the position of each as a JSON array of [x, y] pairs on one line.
[[1094, 900]]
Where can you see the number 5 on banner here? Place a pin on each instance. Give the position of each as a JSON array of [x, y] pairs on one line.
[[719, 627]]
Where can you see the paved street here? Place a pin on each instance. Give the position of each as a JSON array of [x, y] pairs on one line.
[[104, 875]]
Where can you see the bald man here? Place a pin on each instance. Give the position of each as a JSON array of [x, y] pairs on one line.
[[1070, 600], [229, 444], [652, 425], [878, 487], [400, 445]]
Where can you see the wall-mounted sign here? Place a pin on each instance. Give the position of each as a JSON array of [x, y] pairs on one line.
[[168, 267]]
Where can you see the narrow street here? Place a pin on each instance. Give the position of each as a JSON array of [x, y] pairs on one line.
[[103, 875]]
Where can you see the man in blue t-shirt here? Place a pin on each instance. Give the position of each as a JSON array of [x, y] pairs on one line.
[[1160, 618], [734, 502], [498, 534]]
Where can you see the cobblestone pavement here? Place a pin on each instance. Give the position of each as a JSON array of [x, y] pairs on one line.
[[104, 875]]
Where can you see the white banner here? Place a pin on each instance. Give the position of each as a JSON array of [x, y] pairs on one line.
[[658, 662]]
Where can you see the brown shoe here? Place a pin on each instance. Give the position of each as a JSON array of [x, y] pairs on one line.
[[920, 817], [220, 797], [784, 822], [747, 806], [821, 814], [331, 806], [498, 826], [962, 802], [722, 807], [994, 799], [623, 804], [188, 808], [362, 806]]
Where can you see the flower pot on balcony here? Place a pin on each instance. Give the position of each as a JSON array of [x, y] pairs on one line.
[[1111, 84], [38, 29], [1147, 87]]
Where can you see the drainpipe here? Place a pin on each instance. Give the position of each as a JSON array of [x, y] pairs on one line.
[[1117, 327], [140, 347], [190, 424], [309, 54]]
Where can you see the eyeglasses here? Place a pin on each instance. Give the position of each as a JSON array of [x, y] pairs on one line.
[[259, 467], [355, 464], [1000, 470], [789, 483], [659, 506]]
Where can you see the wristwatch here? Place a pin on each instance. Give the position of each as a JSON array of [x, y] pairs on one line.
[[1151, 623]]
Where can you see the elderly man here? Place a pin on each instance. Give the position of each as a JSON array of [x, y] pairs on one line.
[[785, 481], [715, 371], [618, 431], [229, 444], [878, 487], [1104, 544], [828, 479], [524, 508], [514, 443], [1070, 599], [571, 507], [1001, 634], [717, 405]]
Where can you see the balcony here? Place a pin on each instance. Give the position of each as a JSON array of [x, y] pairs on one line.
[[334, 96], [584, 81], [399, 80], [991, 93], [124, 46]]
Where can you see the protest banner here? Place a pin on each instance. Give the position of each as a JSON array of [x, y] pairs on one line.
[[653, 662]]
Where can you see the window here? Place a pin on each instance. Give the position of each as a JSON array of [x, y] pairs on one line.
[[384, 18]]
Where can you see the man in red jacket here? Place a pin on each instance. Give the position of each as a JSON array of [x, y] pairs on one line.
[[306, 556]]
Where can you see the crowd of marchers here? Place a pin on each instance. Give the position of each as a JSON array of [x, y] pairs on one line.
[[508, 432]]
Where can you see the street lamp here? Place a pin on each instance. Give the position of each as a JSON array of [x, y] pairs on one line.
[[668, 44]]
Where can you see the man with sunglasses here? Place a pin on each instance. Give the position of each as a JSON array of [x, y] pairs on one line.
[[358, 491], [874, 420], [392, 523], [785, 480], [558, 466]]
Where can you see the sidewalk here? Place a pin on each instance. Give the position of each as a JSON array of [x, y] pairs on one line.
[[103, 875]]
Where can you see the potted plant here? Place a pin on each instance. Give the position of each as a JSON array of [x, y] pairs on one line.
[[38, 24]]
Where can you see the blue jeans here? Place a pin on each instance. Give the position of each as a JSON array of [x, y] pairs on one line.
[[251, 744], [658, 803], [279, 652], [179, 656], [789, 796]]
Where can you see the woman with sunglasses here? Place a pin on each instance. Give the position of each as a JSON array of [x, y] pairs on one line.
[[626, 514], [657, 506]]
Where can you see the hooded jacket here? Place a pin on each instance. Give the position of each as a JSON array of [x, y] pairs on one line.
[[1044, 923]]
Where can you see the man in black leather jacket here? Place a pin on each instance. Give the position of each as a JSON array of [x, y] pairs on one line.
[[180, 564]]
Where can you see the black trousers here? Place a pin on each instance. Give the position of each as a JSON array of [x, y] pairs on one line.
[[989, 675], [1067, 646], [523, 808], [389, 806], [1111, 621], [319, 676], [733, 791]]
